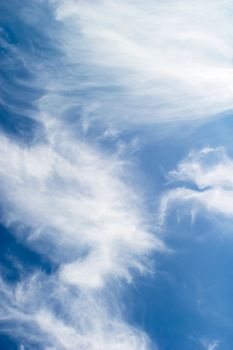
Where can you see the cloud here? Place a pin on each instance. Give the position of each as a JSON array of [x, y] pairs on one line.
[[209, 184], [153, 61], [210, 344], [60, 320], [74, 203], [73, 197]]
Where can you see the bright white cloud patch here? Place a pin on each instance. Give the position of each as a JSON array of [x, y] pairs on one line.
[[71, 203], [210, 171], [47, 315], [72, 196], [160, 61]]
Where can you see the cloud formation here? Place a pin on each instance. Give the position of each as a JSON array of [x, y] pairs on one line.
[[42, 313], [159, 61], [209, 184], [113, 63], [72, 196], [72, 202]]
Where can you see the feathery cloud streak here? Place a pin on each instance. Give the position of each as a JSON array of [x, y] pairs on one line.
[[210, 171], [162, 61], [71, 201]]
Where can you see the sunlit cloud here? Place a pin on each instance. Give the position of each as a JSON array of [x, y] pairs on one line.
[[160, 61], [73, 202], [210, 171]]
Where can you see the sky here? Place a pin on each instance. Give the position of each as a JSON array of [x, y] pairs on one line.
[[116, 175]]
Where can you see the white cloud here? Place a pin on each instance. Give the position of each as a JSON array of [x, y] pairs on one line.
[[73, 204], [73, 197], [210, 344], [86, 321], [210, 170], [160, 61]]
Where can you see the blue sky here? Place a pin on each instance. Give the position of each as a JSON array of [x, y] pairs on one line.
[[116, 163]]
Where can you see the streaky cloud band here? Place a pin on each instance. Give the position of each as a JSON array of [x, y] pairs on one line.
[[160, 61]]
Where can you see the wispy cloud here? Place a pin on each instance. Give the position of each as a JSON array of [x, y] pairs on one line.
[[70, 202], [162, 61], [69, 194], [41, 312], [210, 171], [210, 344], [73, 202]]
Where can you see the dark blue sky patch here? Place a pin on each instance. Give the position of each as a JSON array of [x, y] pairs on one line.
[[7, 343], [16, 258], [20, 127]]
